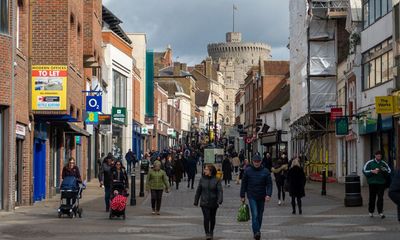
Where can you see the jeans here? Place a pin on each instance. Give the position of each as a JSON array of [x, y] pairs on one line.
[[107, 193], [281, 191], [156, 196], [129, 166], [376, 190], [257, 211], [209, 219]]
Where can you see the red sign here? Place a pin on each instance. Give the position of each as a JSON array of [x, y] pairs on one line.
[[336, 113], [249, 140]]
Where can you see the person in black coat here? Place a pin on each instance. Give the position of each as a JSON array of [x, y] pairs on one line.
[[227, 171], [191, 169], [296, 180], [178, 169], [119, 175], [267, 161], [210, 191], [394, 191]]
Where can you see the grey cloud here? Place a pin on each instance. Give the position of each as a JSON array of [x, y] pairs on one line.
[[189, 25]]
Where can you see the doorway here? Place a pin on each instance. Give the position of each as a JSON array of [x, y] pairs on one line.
[[18, 171], [1, 158], [39, 170]]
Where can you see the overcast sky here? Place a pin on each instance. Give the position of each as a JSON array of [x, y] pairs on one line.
[[189, 25]]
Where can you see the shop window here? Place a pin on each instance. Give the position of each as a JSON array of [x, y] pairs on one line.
[[4, 16], [119, 89]]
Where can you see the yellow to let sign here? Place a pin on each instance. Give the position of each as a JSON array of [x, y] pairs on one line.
[[49, 87], [384, 104]]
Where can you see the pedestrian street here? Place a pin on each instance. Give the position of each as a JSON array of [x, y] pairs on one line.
[[323, 218]]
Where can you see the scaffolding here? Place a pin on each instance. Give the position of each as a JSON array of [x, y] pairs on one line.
[[334, 8]]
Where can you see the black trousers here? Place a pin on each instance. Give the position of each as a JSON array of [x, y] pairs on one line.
[[209, 219], [156, 196], [298, 203], [395, 196], [190, 179], [376, 190], [171, 180], [281, 191], [227, 181]]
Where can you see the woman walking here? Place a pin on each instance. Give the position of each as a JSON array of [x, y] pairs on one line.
[[297, 180], [227, 171], [178, 170], [210, 191], [279, 168], [156, 182], [169, 170], [119, 175]]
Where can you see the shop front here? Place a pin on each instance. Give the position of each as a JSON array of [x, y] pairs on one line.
[[274, 144]]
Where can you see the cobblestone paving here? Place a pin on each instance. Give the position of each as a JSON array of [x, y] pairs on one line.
[[323, 218]]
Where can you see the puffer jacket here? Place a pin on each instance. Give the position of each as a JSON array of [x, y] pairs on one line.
[[157, 180], [210, 191]]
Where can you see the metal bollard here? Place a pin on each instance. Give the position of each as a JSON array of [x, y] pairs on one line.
[[141, 193], [323, 191], [133, 189]]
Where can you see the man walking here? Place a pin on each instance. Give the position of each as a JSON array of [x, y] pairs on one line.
[[376, 170], [129, 157], [257, 184]]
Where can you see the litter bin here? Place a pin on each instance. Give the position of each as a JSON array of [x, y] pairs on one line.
[[144, 165], [353, 196]]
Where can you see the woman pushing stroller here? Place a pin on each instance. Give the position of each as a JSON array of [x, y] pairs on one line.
[[119, 190]]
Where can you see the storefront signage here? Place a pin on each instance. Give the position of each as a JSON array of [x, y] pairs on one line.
[[336, 113], [78, 140], [93, 104], [49, 87], [92, 118], [384, 104], [329, 105], [118, 115], [145, 131], [342, 126], [20, 130], [170, 131], [104, 119]]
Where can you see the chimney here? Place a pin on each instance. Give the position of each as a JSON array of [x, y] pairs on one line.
[[177, 69], [208, 67]]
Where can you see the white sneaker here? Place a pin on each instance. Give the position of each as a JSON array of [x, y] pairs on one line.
[[371, 215], [279, 202]]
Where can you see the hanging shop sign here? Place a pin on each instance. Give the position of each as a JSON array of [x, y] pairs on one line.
[[104, 119], [342, 126], [145, 131], [118, 115], [93, 104], [170, 131], [336, 113], [20, 130], [92, 118], [49, 87], [384, 104]]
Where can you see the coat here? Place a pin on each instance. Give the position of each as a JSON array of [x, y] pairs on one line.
[[394, 189], [296, 180], [256, 183], [227, 169], [74, 172], [191, 167], [236, 161], [157, 180], [279, 168], [210, 191], [120, 176], [178, 170], [169, 168], [376, 178], [105, 174]]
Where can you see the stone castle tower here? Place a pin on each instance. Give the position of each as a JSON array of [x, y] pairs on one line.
[[234, 59]]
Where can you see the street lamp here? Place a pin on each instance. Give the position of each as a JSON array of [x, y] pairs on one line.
[[215, 109], [209, 127]]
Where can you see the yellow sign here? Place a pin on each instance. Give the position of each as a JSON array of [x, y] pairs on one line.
[[49, 87], [384, 105]]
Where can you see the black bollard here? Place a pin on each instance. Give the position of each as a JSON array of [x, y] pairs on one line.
[[133, 189], [141, 193], [323, 191]]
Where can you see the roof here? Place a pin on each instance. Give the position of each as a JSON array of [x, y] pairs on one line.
[[278, 98], [113, 23], [171, 87], [169, 71], [202, 98], [276, 67]]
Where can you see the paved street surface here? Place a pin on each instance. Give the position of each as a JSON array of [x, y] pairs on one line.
[[323, 218]]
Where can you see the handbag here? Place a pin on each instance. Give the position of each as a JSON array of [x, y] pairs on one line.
[[243, 213]]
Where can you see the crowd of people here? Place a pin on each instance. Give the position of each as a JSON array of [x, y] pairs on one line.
[[172, 166]]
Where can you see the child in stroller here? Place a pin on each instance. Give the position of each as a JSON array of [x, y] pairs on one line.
[[118, 200], [71, 192]]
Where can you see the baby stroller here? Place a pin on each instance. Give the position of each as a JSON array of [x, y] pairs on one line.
[[118, 200], [71, 192]]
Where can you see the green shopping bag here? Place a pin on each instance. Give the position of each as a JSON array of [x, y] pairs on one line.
[[244, 213]]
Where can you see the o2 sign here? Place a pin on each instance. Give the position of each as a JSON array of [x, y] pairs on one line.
[[93, 104]]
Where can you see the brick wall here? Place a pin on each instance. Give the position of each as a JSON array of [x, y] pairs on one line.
[[5, 69], [136, 100]]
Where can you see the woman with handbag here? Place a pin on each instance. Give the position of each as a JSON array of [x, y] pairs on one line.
[[296, 180], [210, 191]]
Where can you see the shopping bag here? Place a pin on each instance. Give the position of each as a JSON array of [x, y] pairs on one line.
[[243, 213]]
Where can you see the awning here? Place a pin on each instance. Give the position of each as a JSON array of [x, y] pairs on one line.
[[75, 130]]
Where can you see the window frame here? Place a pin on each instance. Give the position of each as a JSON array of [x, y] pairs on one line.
[[5, 17], [371, 17]]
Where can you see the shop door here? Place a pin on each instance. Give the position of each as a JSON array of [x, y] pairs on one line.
[[1, 160], [18, 171], [39, 170]]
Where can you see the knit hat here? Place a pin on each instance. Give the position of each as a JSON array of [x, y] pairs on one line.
[[157, 163], [256, 157]]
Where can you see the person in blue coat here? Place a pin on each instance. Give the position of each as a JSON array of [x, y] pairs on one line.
[[257, 185]]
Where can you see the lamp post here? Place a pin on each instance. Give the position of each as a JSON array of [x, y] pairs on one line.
[[215, 109], [209, 127]]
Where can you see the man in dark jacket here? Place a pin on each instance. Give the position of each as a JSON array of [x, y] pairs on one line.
[[129, 156], [105, 179], [191, 169], [394, 191], [267, 161], [257, 184]]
